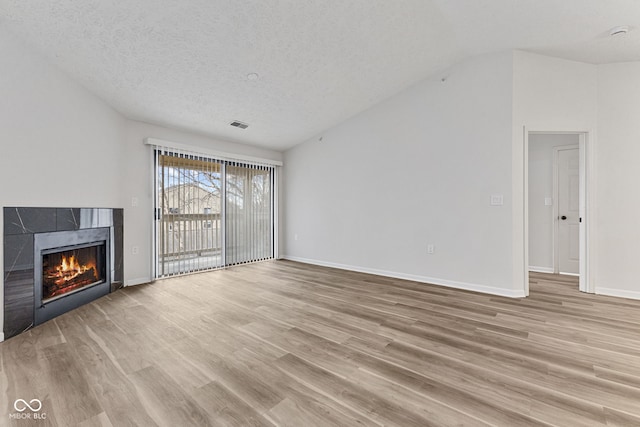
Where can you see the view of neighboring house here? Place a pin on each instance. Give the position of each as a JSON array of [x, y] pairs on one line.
[[189, 227], [190, 198]]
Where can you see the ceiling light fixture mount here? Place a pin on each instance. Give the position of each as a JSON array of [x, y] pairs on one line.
[[619, 30], [252, 76]]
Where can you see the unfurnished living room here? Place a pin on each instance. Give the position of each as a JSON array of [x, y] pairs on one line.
[[320, 213]]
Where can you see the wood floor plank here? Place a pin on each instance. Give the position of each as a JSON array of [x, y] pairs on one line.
[[229, 409], [373, 405], [301, 401], [100, 420], [74, 400], [284, 343], [164, 401]]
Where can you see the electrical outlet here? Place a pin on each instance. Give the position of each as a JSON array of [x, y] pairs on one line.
[[431, 249], [497, 200], [135, 250]]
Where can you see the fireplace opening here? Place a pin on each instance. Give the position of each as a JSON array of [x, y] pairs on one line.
[[70, 270]]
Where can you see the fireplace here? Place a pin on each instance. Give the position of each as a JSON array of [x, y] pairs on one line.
[[70, 270], [69, 231]]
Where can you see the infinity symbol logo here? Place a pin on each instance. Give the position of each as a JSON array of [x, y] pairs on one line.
[[37, 405]]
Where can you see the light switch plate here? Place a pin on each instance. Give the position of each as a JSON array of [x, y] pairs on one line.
[[548, 201], [497, 200]]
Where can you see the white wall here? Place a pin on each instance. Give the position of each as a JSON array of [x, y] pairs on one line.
[[137, 174], [55, 138], [552, 94], [541, 223], [549, 95], [416, 169], [618, 155]]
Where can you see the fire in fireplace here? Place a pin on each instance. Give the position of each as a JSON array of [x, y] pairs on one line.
[[71, 268], [69, 271]]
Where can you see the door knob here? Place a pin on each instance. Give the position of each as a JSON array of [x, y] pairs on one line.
[[563, 217]]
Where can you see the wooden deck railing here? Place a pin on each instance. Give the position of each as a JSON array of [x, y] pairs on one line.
[[184, 234]]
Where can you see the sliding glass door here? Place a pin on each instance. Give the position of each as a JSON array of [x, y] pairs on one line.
[[211, 213]]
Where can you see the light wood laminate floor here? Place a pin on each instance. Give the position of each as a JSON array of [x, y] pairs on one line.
[[282, 343]]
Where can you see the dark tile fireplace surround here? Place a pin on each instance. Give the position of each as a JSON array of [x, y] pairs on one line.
[[66, 230]]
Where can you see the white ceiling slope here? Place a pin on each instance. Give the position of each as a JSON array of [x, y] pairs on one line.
[[184, 63]]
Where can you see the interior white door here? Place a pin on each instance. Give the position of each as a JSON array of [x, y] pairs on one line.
[[568, 211]]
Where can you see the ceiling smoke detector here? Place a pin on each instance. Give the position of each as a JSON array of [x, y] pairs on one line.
[[618, 31], [253, 76], [238, 124]]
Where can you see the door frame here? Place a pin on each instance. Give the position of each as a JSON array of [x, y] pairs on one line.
[[556, 203], [585, 144]]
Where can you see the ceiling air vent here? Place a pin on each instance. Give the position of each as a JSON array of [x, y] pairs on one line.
[[239, 124]]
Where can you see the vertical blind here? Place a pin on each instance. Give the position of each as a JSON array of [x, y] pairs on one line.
[[211, 213], [248, 219]]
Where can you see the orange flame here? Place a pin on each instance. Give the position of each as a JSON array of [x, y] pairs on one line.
[[70, 268]]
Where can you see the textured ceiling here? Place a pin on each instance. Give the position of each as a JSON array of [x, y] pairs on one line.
[[184, 63]]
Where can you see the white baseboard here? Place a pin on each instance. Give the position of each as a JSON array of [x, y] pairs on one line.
[[1, 336], [431, 280], [550, 270], [541, 269], [569, 274], [617, 293], [139, 281]]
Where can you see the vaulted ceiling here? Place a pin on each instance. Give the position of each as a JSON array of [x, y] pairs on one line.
[[185, 63]]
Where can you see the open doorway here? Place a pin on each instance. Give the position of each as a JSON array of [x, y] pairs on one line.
[[555, 197]]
